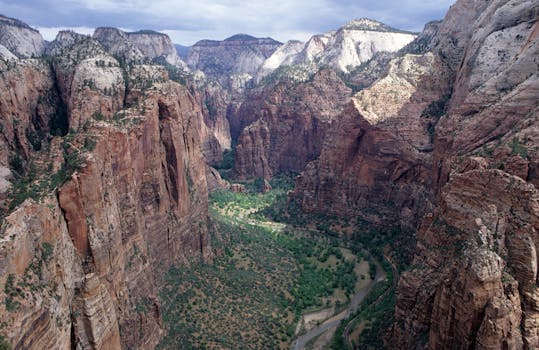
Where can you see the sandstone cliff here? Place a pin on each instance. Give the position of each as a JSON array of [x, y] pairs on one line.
[[117, 196], [281, 126], [344, 49], [474, 277], [19, 38], [234, 61], [139, 46], [449, 130], [376, 160]]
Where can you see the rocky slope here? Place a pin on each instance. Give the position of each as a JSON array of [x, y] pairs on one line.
[[275, 128], [280, 127], [137, 46], [110, 205], [447, 138], [233, 61], [474, 279], [375, 161], [19, 38], [348, 47]]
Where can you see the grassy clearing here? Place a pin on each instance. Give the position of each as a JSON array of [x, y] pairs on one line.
[[267, 275]]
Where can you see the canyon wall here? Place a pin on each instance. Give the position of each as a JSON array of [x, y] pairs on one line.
[[445, 140], [115, 198], [280, 127], [473, 280]]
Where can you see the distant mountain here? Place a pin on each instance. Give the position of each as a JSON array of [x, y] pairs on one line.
[[239, 54], [19, 39], [351, 45], [372, 25], [140, 44]]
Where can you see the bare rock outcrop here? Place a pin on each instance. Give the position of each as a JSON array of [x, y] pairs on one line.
[[81, 263], [474, 267], [367, 171], [139, 46], [281, 126], [344, 49], [20, 39], [474, 277], [234, 61], [137, 206]]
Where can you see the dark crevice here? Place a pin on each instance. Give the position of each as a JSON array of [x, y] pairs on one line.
[[59, 122]]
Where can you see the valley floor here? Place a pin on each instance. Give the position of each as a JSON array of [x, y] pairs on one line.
[[270, 285]]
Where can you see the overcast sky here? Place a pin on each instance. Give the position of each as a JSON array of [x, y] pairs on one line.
[[188, 21]]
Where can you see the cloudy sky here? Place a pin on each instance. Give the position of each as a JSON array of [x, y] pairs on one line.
[[188, 21]]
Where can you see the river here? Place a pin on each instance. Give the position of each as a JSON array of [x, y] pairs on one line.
[[334, 321]]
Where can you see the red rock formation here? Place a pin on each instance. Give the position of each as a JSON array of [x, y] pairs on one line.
[[474, 267], [376, 158], [215, 129], [474, 277], [27, 103], [367, 171], [137, 206], [284, 125]]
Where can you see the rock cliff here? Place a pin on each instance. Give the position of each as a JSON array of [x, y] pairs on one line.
[[446, 138], [234, 61], [344, 49], [474, 276], [138, 46], [20, 39], [375, 162], [281, 126], [113, 199]]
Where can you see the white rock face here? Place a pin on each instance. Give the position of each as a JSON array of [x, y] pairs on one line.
[[139, 45], [289, 49], [350, 48], [103, 71], [154, 45], [20, 39], [5, 176], [5, 54], [353, 44], [63, 41]]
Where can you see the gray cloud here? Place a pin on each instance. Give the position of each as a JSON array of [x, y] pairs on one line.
[[190, 20]]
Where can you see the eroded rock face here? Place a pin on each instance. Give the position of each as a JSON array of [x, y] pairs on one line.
[[367, 171], [214, 102], [138, 46], [81, 267], [238, 54], [344, 49], [31, 110], [474, 277], [234, 61], [20, 39], [281, 127], [64, 40], [137, 206], [474, 266], [376, 159]]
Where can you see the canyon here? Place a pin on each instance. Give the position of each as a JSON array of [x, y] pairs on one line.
[[113, 145]]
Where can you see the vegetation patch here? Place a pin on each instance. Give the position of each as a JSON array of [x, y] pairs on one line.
[[266, 275]]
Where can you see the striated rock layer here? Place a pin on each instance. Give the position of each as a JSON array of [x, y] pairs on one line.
[[280, 129], [474, 277], [20, 39], [138, 205], [344, 49], [137, 46], [80, 264], [446, 141]]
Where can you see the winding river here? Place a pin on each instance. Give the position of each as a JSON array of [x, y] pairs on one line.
[[335, 320]]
